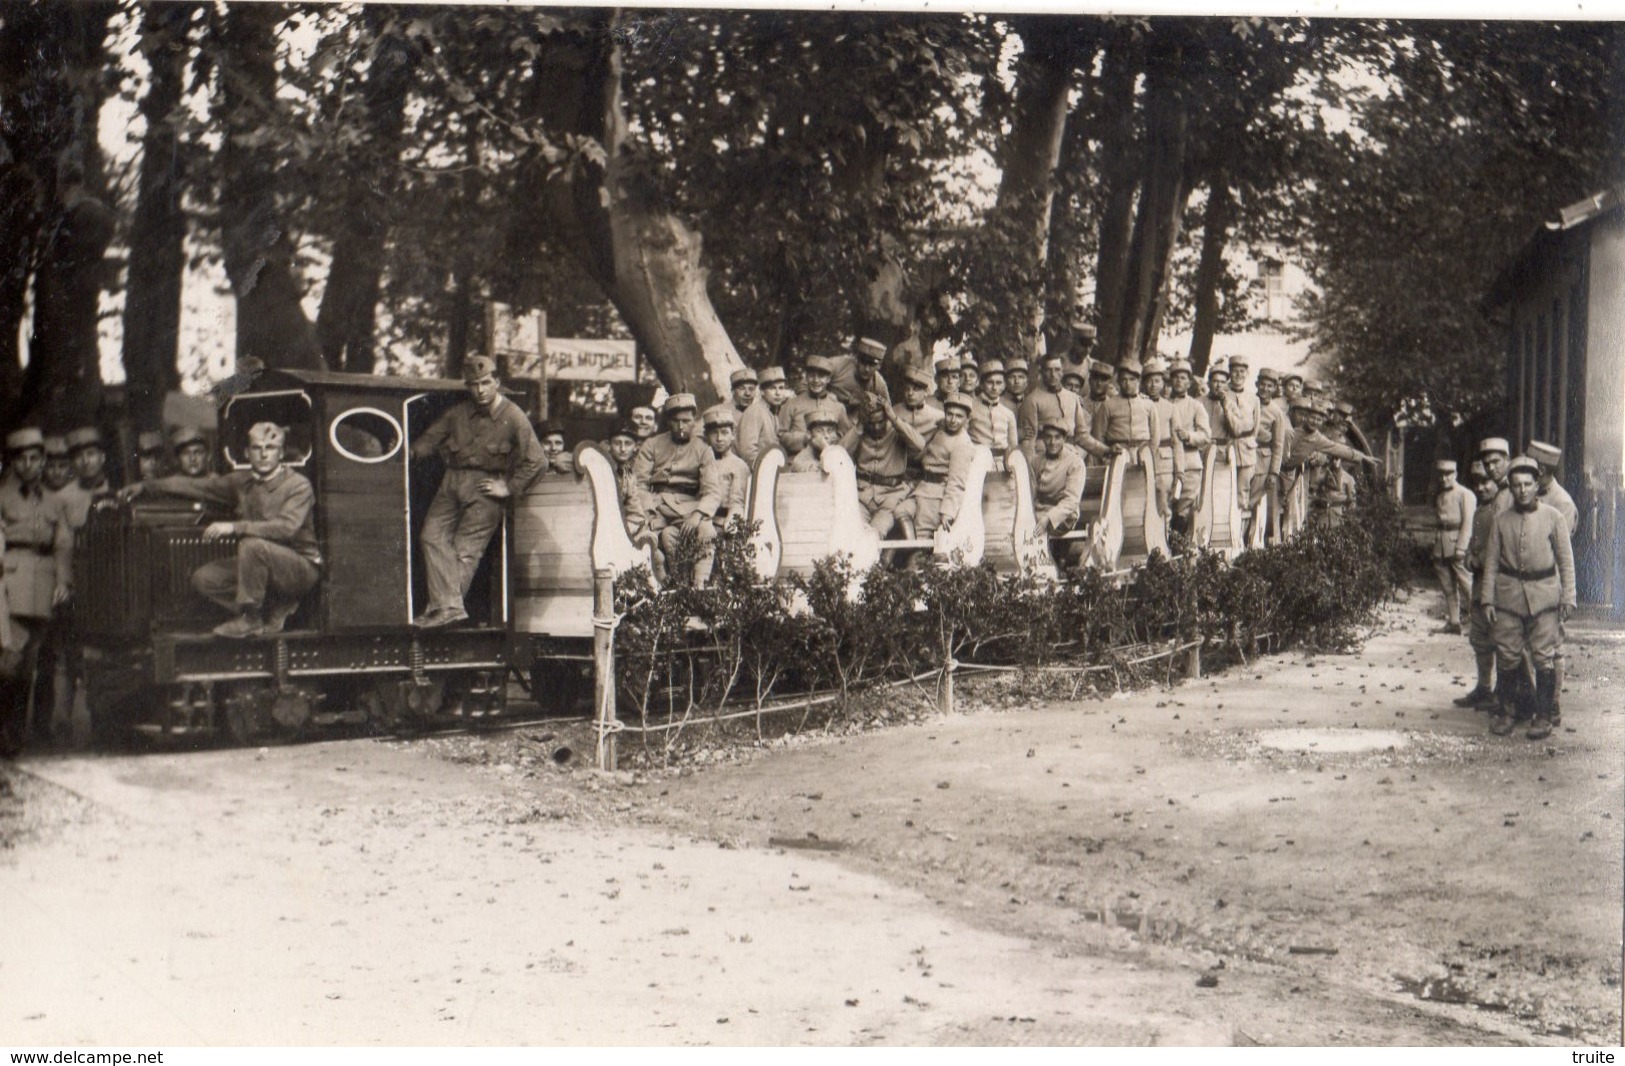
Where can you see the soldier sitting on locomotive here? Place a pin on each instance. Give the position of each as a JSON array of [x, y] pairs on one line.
[[278, 558]]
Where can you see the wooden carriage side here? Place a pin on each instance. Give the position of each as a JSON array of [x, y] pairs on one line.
[[566, 527], [1013, 542], [1218, 513], [804, 516]]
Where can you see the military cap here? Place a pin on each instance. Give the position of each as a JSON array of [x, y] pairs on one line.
[[149, 441], [56, 447], [1494, 444], [956, 400], [181, 436], [27, 437], [1081, 326], [1100, 368], [1131, 367], [1343, 407], [1477, 472], [970, 364], [1313, 386], [1011, 366], [950, 365], [1239, 360], [1523, 462], [747, 376], [1291, 375], [1543, 453], [549, 427], [916, 375], [869, 348], [476, 367], [1052, 424], [1155, 365], [822, 418], [991, 366], [819, 365], [771, 376], [1266, 374], [720, 415], [625, 429], [1218, 366], [267, 433], [1444, 466], [1072, 373], [679, 401], [1304, 403], [1178, 366], [84, 437]]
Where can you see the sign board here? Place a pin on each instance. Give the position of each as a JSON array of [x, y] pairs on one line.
[[582, 359]]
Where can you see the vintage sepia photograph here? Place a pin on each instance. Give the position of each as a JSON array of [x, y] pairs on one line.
[[541, 526]]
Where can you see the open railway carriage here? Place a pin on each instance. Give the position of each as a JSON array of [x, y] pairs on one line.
[[1129, 528], [350, 653], [1218, 511]]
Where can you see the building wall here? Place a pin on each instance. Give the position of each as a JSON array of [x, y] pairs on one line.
[[1605, 355], [1547, 353]]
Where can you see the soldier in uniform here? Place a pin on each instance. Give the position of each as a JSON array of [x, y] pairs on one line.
[[1058, 478], [852, 377], [557, 461], [725, 493], [191, 450], [492, 455], [1291, 389], [777, 393], [89, 457], [1017, 380], [1072, 381], [1050, 402], [58, 465], [150, 455], [38, 548], [947, 376], [969, 376], [1128, 422], [671, 475], [882, 450], [815, 398], [822, 431], [921, 416], [757, 426], [1547, 490], [1337, 493], [1273, 426], [1171, 453], [1495, 454], [991, 423], [1453, 507], [622, 445], [946, 465], [1241, 416], [1527, 596], [1194, 433], [1101, 375], [278, 558], [644, 421], [1478, 628]]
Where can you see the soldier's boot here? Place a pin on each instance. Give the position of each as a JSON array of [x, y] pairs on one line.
[[1483, 694], [1557, 692], [1506, 702], [1541, 726]]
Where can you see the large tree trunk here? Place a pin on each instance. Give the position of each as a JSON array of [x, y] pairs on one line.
[[1220, 210], [152, 303], [23, 186], [348, 315], [1120, 177], [645, 259], [63, 380], [1051, 50], [1157, 221], [272, 328]]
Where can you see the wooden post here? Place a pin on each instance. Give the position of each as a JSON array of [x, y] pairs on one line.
[[603, 665], [945, 691], [1193, 661]]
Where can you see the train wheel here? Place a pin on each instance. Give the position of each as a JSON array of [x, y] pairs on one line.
[[401, 705], [248, 714]]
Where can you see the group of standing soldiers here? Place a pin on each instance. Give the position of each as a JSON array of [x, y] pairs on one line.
[[912, 458], [48, 490], [1504, 556]]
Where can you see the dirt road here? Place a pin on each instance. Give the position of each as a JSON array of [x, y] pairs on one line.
[[1308, 851]]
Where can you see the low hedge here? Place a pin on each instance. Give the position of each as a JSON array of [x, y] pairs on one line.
[[682, 651]]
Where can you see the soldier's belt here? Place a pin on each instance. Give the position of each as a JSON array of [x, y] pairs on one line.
[[32, 549], [722, 512], [1443, 526], [1529, 575], [686, 488], [888, 481], [934, 479]]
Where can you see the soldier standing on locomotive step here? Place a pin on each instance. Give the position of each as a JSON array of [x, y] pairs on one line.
[[492, 455], [277, 558], [1453, 507], [38, 545], [1527, 596]]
